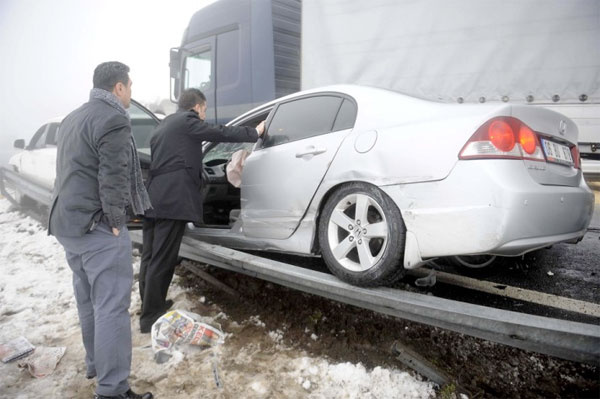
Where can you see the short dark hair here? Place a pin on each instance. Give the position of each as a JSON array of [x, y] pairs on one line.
[[108, 74], [189, 98]]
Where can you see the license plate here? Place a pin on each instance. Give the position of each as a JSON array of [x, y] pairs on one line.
[[557, 152]]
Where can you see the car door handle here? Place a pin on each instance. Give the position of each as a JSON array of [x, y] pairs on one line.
[[311, 151]]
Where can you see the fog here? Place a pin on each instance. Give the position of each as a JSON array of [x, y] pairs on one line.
[[49, 49]]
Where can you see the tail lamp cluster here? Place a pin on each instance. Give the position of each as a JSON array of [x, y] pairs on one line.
[[506, 137]]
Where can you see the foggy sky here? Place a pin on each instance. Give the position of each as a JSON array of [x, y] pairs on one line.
[[49, 49]]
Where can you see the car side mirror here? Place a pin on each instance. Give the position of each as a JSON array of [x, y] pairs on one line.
[[20, 144]]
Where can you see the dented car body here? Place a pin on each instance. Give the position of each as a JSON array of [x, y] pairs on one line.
[[377, 182]]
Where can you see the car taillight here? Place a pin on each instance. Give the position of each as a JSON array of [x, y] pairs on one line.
[[576, 157], [527, 139], [503, 137]]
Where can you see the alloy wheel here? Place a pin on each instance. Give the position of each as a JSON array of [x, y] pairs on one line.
[[357, 232]]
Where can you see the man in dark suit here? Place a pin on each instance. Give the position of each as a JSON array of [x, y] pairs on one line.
[[98, 179], [174, 185]]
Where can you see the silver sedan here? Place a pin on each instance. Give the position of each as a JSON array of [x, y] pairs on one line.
[[377, 182]]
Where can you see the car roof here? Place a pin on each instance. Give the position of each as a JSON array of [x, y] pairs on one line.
[[376, 104]]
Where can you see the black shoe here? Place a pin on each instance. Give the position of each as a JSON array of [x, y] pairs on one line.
[[146, 328], [168, 304], [127, 395]]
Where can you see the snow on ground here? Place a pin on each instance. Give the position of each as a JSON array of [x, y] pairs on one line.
[[36, 300]]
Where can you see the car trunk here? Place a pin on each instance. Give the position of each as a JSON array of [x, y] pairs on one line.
[[557, 135]]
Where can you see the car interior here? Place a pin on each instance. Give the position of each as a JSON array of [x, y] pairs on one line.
[[221, 198]]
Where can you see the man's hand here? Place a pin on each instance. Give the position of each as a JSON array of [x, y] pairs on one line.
[[115, 231], [260, 128]]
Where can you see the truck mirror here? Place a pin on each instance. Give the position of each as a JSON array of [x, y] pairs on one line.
[[175, 68], [174, 63], [20, 144]]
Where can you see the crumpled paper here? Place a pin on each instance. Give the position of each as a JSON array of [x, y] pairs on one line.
[[42, 362], [180, 327]]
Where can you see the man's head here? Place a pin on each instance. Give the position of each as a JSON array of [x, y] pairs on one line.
[[113, 76], [193, 99]]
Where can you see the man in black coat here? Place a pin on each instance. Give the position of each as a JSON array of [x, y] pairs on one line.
[[98, 179], [174, 185]]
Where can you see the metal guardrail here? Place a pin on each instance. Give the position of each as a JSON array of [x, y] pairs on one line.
[[24, 185], [564, 339]]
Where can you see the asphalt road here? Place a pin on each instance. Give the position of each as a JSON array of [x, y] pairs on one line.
[[566, 270], [571, 270]]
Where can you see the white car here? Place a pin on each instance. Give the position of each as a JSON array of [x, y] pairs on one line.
[[37, 160], [377, 182]]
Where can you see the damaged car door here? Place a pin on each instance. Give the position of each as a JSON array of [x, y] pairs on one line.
[[283, 173]]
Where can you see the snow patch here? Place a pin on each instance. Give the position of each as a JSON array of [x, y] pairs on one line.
[[36, 300]]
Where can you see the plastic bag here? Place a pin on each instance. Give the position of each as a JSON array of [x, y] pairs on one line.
[[235, 166]]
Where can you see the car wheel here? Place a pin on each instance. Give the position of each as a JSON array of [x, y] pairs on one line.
[[473, 261], [362, 235]]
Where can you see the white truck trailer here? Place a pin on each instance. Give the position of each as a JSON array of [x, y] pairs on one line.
[[539, 52]]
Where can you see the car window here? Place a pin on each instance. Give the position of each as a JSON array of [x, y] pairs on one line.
[[224, 151], [142, 126], [52, 134], [346, 116], [41, 141], [299, 119], [38, 139]]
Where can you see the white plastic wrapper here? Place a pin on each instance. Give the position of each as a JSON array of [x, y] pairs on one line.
[[179, 327], [235, 167], [43, 361]]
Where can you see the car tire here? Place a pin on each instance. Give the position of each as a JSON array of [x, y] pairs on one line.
[[358, 251], [472, 262]]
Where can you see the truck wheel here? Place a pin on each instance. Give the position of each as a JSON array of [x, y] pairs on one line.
[[362, 235]]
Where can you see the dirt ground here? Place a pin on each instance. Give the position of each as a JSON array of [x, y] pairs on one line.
[[274, 335], [480, 368]]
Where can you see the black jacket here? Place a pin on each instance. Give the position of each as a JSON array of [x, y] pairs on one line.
[[92, 170], [175, 178]]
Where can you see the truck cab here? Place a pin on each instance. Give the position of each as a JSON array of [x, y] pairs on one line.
[[240, 54]]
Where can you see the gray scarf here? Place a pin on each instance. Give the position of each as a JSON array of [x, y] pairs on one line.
[[138, 196]]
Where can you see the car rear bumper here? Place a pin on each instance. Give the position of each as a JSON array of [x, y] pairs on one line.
[[492, 207]]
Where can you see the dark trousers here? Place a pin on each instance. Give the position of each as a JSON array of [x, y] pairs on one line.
[[162, 239]]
